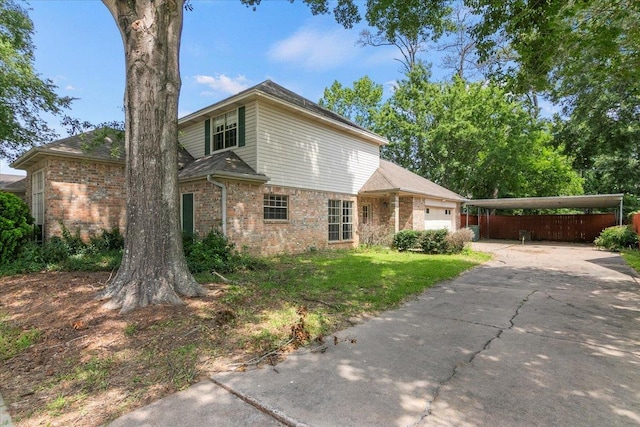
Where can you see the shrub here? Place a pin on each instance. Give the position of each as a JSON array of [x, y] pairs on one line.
[[405, 240], [15, 226], [213, 252], [617, 238], [107, 241], [458, 239], [74, 242], [55, 250], [375, 235], [434, 241]]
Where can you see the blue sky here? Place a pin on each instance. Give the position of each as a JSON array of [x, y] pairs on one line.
[[226, 47]]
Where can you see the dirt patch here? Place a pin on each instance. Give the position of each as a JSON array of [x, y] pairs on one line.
[[90, 365]]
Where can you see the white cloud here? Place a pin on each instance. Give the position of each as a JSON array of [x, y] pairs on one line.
[[70, 87], [222, 84], [315, 50]]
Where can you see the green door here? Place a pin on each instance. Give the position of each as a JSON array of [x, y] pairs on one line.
[[187, 213]]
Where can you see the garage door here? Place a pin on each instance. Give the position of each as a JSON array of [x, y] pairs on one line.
[[436, 218]]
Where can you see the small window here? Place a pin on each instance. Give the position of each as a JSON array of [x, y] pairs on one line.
[[447, 211], [276, 207], [225, 130], [426, 211], [366, 214]]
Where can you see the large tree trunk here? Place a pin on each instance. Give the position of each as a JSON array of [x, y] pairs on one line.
[[153, 270]]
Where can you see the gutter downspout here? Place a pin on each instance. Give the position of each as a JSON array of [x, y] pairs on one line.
[[223, 203]]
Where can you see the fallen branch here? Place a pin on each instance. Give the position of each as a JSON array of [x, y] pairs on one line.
[[224, 279], [256, 360], [335, 307]]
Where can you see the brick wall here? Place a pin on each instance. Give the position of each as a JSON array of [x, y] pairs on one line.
[[306, 227], [84, 195]]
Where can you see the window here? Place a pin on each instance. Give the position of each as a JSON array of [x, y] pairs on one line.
[[426, 211], [225, 130], [276, 207], [340, 218], [447, 211], [37, 202], [366, 214]]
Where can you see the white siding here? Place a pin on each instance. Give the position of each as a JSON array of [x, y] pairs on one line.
[[297, 152], [192, 139], [248, 152]]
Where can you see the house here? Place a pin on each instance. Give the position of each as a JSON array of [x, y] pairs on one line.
[[14, 184], [274, 171]]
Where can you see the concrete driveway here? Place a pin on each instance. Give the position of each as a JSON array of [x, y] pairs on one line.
[[543, 335]]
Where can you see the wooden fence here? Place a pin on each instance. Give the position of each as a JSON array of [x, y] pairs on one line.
[[558, 228]]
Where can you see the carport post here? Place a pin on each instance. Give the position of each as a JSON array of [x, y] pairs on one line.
[[620, 215]]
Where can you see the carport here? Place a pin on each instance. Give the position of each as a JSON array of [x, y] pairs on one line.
[[580, 227]]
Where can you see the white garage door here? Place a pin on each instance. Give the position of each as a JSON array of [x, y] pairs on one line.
[[436, 218]]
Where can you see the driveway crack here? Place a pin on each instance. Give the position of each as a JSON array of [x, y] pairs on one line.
[[454, 372]]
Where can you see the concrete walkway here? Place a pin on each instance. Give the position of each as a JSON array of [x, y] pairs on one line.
[[542, 335]]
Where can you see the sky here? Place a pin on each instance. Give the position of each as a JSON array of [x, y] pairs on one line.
[[226, 47]]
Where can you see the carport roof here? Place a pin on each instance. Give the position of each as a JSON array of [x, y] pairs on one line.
[[589, 201]]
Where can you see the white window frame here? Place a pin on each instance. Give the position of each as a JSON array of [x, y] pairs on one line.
[[274, 204], [340, 220], [367, 218], [224, 131], [37, 200]]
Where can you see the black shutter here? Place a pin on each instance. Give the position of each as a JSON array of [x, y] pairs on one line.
[[241, 140], [207, 137]]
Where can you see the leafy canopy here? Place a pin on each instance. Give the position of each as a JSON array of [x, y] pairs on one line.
[[23, 93]]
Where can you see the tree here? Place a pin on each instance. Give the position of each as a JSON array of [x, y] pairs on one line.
[[23, 93], [358, 104], [406, 24], [474, 139], [153, 269]]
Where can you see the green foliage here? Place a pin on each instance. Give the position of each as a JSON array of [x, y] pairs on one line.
[[106, 241], [633, 258], [24, 95], [474, 139], [617, 238], [359, 104], [15, 226], [405, 240], [434, 241], [214, 252]]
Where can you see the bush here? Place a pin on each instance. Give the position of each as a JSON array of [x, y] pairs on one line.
[[617, 238], [458, 239], [405, 240], [434, 241], [107, 241], [213, 252], [15, 226], [375, 235]]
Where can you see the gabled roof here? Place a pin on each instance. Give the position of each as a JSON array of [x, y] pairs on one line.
[[221, 165], [390, 177], [73, 146], [12, 183], [273, 93]]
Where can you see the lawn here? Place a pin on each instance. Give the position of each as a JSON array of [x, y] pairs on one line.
[[632, 257], [65, 360]]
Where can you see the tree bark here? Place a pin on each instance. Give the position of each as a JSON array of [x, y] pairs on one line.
[[153, 269]]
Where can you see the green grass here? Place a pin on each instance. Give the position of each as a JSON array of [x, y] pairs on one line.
[[14, 340], [334, 286], [632, 257]]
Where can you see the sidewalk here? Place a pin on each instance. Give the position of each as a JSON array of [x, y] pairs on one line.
[[518, 341], [5, 419]]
